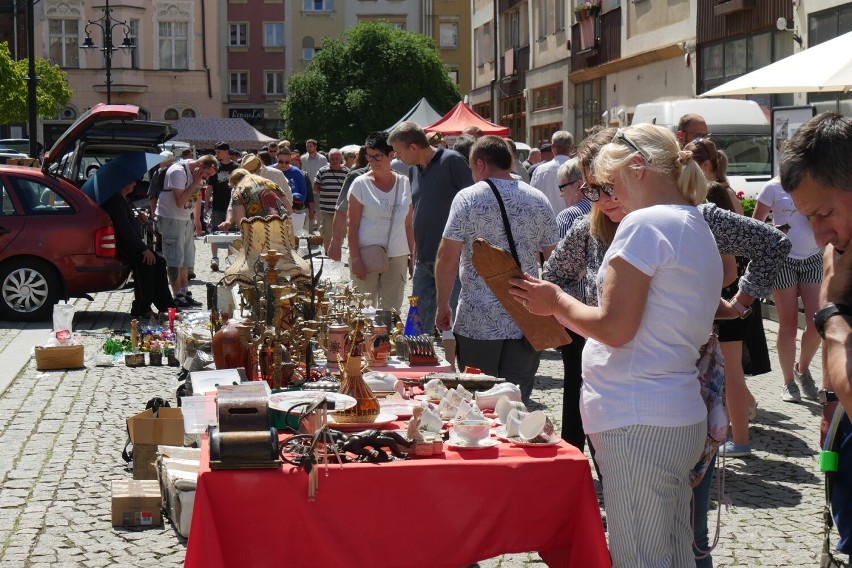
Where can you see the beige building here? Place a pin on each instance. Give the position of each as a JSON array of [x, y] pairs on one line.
[[172, 72]]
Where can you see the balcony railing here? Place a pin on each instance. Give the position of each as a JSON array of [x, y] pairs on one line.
[[607, 47]]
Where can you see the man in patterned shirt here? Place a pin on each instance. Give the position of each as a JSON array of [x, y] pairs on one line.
[[486, 335], [327, 185]]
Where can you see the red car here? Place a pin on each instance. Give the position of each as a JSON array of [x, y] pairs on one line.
[[55, 241]]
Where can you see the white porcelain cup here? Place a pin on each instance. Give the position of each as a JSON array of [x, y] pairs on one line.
[[464, 393], [447, 409], [454, 397], [431, 421], [505, 405], [537, 428], [513, 422], [472, 432]]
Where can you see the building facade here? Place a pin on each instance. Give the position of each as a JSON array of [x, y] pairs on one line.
[[171, 72], [544, 65]]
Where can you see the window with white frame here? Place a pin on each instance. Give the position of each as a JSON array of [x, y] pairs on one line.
[[238, 35], [273, 34], [63, 42], [318, 5], [239, 83], [454, 76], [134, 37], [174, 44], [542, 19], [308, 49], [274, 83], [449, 34], [560, 15]]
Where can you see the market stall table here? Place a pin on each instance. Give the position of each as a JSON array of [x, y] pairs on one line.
[[445, 511]]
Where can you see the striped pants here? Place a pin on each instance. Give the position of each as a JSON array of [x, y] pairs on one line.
[[646, 492]]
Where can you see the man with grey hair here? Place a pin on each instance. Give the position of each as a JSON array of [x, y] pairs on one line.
[[327, 185], [545, 178], [437, 175]]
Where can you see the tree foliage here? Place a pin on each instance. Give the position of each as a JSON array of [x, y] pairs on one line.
[[52, 90], [362, 81]]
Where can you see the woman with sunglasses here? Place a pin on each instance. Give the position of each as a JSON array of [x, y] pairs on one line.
[[380, 213], [579, 257], [570, 179]]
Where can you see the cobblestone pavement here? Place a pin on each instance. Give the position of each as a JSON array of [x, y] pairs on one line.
[[62, 433]]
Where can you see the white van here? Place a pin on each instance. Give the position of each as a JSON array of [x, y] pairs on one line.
[[738, 127]]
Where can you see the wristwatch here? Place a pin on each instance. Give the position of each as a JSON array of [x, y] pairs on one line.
[[825, 396], [831, 310], [741, 309]]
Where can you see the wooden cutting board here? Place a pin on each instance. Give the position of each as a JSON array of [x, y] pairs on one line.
[[496, 266]]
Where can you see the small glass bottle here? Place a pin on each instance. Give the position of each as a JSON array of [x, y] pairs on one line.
[[413, 325]]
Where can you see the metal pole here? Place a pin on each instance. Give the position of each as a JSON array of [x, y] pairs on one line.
[[32, 99], [108, 51]]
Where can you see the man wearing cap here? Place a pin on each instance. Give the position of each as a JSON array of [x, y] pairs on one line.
[[154, 190], [180, 198], [219, 196], [545, 154], [545, 178]]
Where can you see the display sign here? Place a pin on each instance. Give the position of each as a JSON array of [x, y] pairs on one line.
[[785, 122], [247, 113]]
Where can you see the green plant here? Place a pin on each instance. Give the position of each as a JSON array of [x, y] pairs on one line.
[[591, 6], [748, 204]]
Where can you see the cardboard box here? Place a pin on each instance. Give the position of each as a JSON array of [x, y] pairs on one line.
[[59, 357], [147, 432], [136, 503], [144, 461]]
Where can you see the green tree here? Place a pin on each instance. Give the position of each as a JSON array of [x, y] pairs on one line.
[[363, 81], [52, 91]]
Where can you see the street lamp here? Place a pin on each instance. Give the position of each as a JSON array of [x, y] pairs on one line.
[[107, 23]]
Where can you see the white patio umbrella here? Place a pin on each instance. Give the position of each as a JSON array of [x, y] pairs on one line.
[[826, 67]]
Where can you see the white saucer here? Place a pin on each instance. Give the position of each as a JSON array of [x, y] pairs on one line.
[[520, 442], [382, 419], [459, 444]]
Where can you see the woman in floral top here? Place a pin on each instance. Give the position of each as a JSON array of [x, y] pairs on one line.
[[253, 196]]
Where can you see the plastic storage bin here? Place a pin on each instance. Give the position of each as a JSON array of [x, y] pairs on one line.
[[198, 413]]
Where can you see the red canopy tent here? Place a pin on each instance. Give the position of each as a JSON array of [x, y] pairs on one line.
[[459, 118]]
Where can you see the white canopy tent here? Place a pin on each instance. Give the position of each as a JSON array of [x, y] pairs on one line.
[[826, 67]]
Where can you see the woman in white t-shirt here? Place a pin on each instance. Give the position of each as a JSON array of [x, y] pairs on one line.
[[800, 277], [380, 213], [658, 293]]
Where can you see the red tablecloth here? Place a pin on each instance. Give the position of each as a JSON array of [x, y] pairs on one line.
[[445, 511]]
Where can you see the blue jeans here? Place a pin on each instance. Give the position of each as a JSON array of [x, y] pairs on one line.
[[427, 302], [701, 495]]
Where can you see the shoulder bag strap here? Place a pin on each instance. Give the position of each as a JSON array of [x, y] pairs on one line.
[[508, 227], [393, 209]]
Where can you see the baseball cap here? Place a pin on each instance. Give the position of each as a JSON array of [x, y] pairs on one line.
[[546, 147], [222, 146]]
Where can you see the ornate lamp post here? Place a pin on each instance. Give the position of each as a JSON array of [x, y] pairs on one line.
[[107, 24]]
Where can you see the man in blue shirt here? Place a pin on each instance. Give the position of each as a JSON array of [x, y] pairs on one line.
[[437, 175]]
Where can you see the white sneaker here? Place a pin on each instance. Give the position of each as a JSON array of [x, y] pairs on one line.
[[806, 381], [790, 393]]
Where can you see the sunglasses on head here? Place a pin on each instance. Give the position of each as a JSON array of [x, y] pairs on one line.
[[620, 135], [593, 192]]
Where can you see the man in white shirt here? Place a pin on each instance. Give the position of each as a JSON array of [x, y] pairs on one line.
[[545, 178]]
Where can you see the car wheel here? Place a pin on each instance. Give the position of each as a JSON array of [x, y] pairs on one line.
[[28, 290]]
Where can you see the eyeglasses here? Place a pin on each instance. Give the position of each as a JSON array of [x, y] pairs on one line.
[[698, 135], [562, 186], [593, 192], [620, 135], [375, 157]]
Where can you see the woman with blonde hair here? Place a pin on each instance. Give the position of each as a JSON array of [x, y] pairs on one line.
[[658, 286]]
